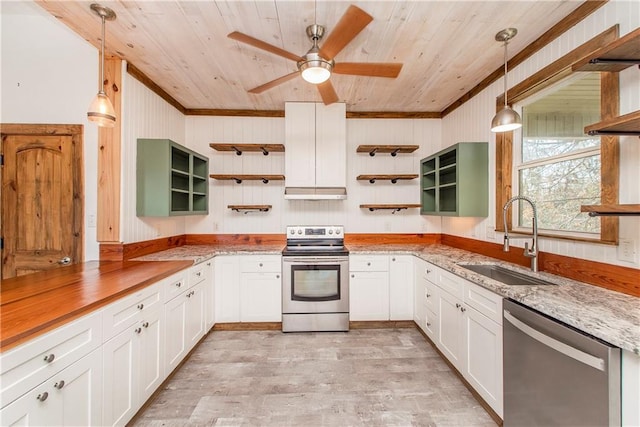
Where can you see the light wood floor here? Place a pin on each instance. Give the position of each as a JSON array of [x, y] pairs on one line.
[[365, 377]]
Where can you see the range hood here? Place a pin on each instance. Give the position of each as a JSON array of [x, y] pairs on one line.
[[315, 193]]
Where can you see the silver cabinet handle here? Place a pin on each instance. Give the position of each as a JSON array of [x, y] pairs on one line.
[[209, 264], [428, 323], [64, 261], [198, 273], [277, 276], [462, 309], [567, 350], [353, 275], [428, 271], [260, 264], [49, 358], [137, 330], [42, 396], [145, 324], [428, 295], [140, 306], [59, 384], [393, 259], [457, 305], [368, 264], [178, 284]]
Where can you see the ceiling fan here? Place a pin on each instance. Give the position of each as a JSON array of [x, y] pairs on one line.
[[318, 63]]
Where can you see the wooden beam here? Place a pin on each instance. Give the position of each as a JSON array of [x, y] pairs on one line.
[[581, 12], [142, 78], [609, 156], [109, 154], [393, 115], [232, 113]]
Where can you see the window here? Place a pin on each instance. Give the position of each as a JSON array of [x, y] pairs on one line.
[[566, 151], [556, 164]]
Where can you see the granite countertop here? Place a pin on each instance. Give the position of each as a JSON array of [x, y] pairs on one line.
[[611, 316]]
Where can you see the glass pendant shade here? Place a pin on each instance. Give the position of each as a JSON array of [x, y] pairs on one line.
[[505, 120], [101, 111], [315, 71]]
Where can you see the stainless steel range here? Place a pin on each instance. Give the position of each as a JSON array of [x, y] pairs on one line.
[[315, 280]]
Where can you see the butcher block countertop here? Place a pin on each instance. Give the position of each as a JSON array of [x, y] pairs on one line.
[[38, 303], [33, 304]]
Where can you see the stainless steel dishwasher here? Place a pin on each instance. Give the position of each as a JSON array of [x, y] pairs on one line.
[[555, 375]]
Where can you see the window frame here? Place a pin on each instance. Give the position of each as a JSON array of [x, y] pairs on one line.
[[609, 147]]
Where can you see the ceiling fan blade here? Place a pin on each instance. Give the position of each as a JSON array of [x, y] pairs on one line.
[[374, 69], [274, 83], [327, 92], [263, 45], [352, 22]]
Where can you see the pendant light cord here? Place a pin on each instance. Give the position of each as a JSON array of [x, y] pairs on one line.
[[101, 82], [505, 73]]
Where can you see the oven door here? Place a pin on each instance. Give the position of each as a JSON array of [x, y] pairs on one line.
[[315, 284]]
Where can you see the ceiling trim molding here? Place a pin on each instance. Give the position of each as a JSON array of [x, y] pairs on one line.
[[580, 13], [142, 78], [230, 112], [394, 115]]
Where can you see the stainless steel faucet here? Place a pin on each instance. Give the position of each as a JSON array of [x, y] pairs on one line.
[[529, 253]]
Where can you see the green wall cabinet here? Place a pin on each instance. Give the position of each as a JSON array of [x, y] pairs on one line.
[[171, 179], [455, 181]]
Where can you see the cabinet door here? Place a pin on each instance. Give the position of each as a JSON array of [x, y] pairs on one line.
[[300, 142], [401, 279], [261, 297], [120, 385], [194, 327], [369, 295], [176, 313], [450, 330], [227, 288], [210, 298], [30, 410], [151, 364], [483, 364], [331, 150]]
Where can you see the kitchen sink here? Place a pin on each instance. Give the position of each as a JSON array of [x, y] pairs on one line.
[[506, 276]]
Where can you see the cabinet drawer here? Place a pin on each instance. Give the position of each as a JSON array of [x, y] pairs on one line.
[[261, 263], [430, 272], [27, 366], [127, 311], [430, 296], [430, 326], [368, 263], [197, 274], [483, 300], [450, 283], [174, 285]]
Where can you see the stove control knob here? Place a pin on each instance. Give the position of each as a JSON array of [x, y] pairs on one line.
[[338, 231], [299, 231], [292, 231], [331, 231]]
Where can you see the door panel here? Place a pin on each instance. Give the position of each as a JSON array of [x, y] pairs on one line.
[[41, 199]]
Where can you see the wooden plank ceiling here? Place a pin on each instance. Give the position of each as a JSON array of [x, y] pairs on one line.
[[447, 47]]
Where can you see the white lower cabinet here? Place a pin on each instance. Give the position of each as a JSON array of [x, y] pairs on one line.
[[134, 367], [451, 329], [73, 396], [260, 297], [369, 295], [184, 316], [209, 297], [227, 288], [401, 279]]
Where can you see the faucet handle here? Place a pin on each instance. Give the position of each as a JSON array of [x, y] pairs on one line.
[[531, 253]]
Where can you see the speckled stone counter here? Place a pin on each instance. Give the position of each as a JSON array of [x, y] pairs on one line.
[[608, 315]]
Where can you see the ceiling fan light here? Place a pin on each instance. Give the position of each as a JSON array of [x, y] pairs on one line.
[[101, 111], [505, 120], [315, 71]]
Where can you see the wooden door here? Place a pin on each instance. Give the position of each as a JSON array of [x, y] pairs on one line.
[[42, 226]]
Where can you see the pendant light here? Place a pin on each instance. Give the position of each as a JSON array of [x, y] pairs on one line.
[[506, 119], [101, 110]]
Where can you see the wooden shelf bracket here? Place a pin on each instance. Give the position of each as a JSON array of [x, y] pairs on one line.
[[245, 209]]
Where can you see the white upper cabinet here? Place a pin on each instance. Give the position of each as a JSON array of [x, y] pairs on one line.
[[315, 145]]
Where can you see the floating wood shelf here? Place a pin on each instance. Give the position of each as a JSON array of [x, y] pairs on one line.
[[239, 178], [249, 208], [616, 56], [240, 148], [628, 124], [611, 210], [394, 207], [392, 178], [391, 149]]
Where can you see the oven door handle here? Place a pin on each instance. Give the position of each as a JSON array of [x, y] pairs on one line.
[[313, 260]]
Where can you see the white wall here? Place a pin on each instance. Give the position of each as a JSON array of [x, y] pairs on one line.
[[200, 131], [50, 75], [477, 113]]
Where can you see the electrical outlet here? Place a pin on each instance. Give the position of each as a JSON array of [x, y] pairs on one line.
[[627, 250], [91, 220]]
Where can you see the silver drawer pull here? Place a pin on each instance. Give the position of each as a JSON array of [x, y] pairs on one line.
[[428, 323], [428, 271], [393, 259], [42, 396], [260, 264], [49, 358], [462, 309], [178, 284], [428, 295], [137, 330], [140, 306], [59, 384], [64, 261], [198, 273], [277, 276], [457, 305], [368, 264], [145, 324]]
